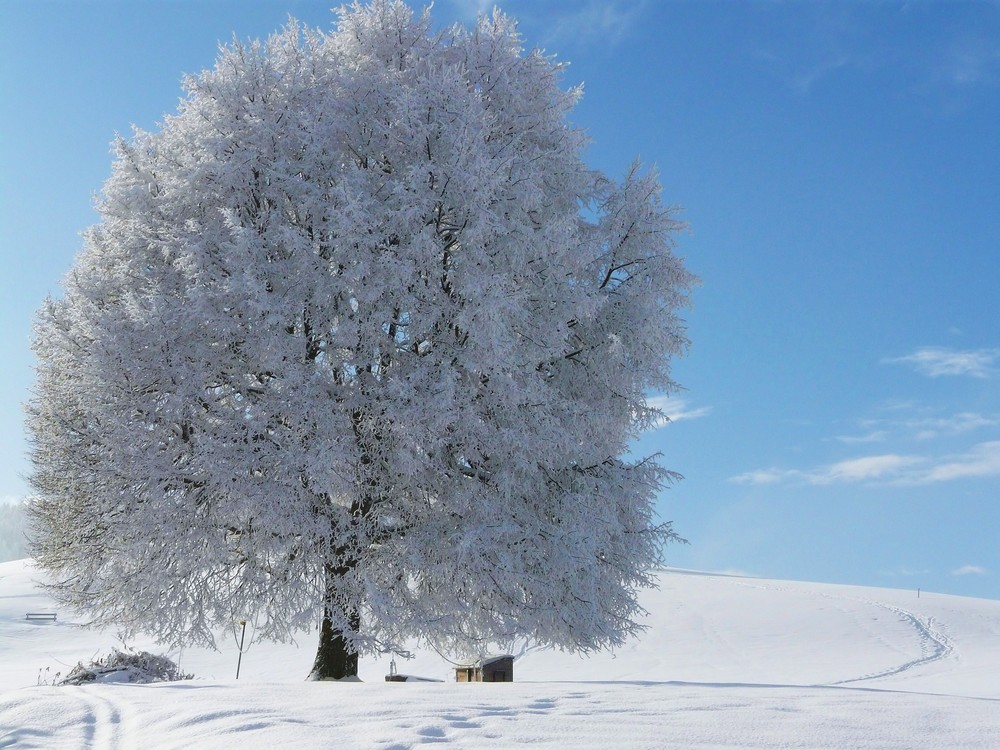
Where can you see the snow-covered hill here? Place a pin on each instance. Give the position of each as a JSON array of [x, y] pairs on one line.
[[726, 662]]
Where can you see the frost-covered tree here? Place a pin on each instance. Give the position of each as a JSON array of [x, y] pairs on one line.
[[12, 531], [360, 341]]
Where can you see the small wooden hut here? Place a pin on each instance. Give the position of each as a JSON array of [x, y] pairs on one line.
[[499, 668]]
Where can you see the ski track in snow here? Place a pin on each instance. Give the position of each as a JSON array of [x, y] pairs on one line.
[[104, 720], [934, 644]]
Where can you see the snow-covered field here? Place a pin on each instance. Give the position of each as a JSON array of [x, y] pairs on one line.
[[728, 662]]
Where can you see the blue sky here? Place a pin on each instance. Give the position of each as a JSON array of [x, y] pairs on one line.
[[838, 165]]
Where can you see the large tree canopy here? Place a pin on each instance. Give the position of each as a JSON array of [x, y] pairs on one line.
[[361, 340]]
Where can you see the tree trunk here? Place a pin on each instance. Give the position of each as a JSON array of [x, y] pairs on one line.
[[334, 658]]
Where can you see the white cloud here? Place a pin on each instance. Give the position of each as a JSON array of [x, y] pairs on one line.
[[956, 424], [923, 426], [864, 469], [767, 476], [938, 361], [598, 20], [803, 81], [969, 570], [674, 410], [875, 436], [982, 461], [904, 571], [972, 61], [472, 9]]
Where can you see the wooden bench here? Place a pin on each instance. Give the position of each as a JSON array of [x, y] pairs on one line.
[[42, 616]]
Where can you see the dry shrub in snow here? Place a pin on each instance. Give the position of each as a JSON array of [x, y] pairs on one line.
[[125, 666]]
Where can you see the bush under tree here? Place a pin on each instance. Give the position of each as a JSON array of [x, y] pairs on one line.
[[134, 667]]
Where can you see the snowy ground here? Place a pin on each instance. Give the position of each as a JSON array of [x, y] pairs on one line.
[[727, 663]]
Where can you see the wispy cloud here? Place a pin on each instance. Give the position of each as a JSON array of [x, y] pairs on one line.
[[675, 410], [982, 460], [803, 81], [938, 361], [767, 476], [863, 469], [598, 20], [904, 572], [966, 421], [875, 436], [924, 425], [971, 61], [970, 570], [471, 9]]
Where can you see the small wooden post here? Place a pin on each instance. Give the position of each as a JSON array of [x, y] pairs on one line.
[[239, 659]]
